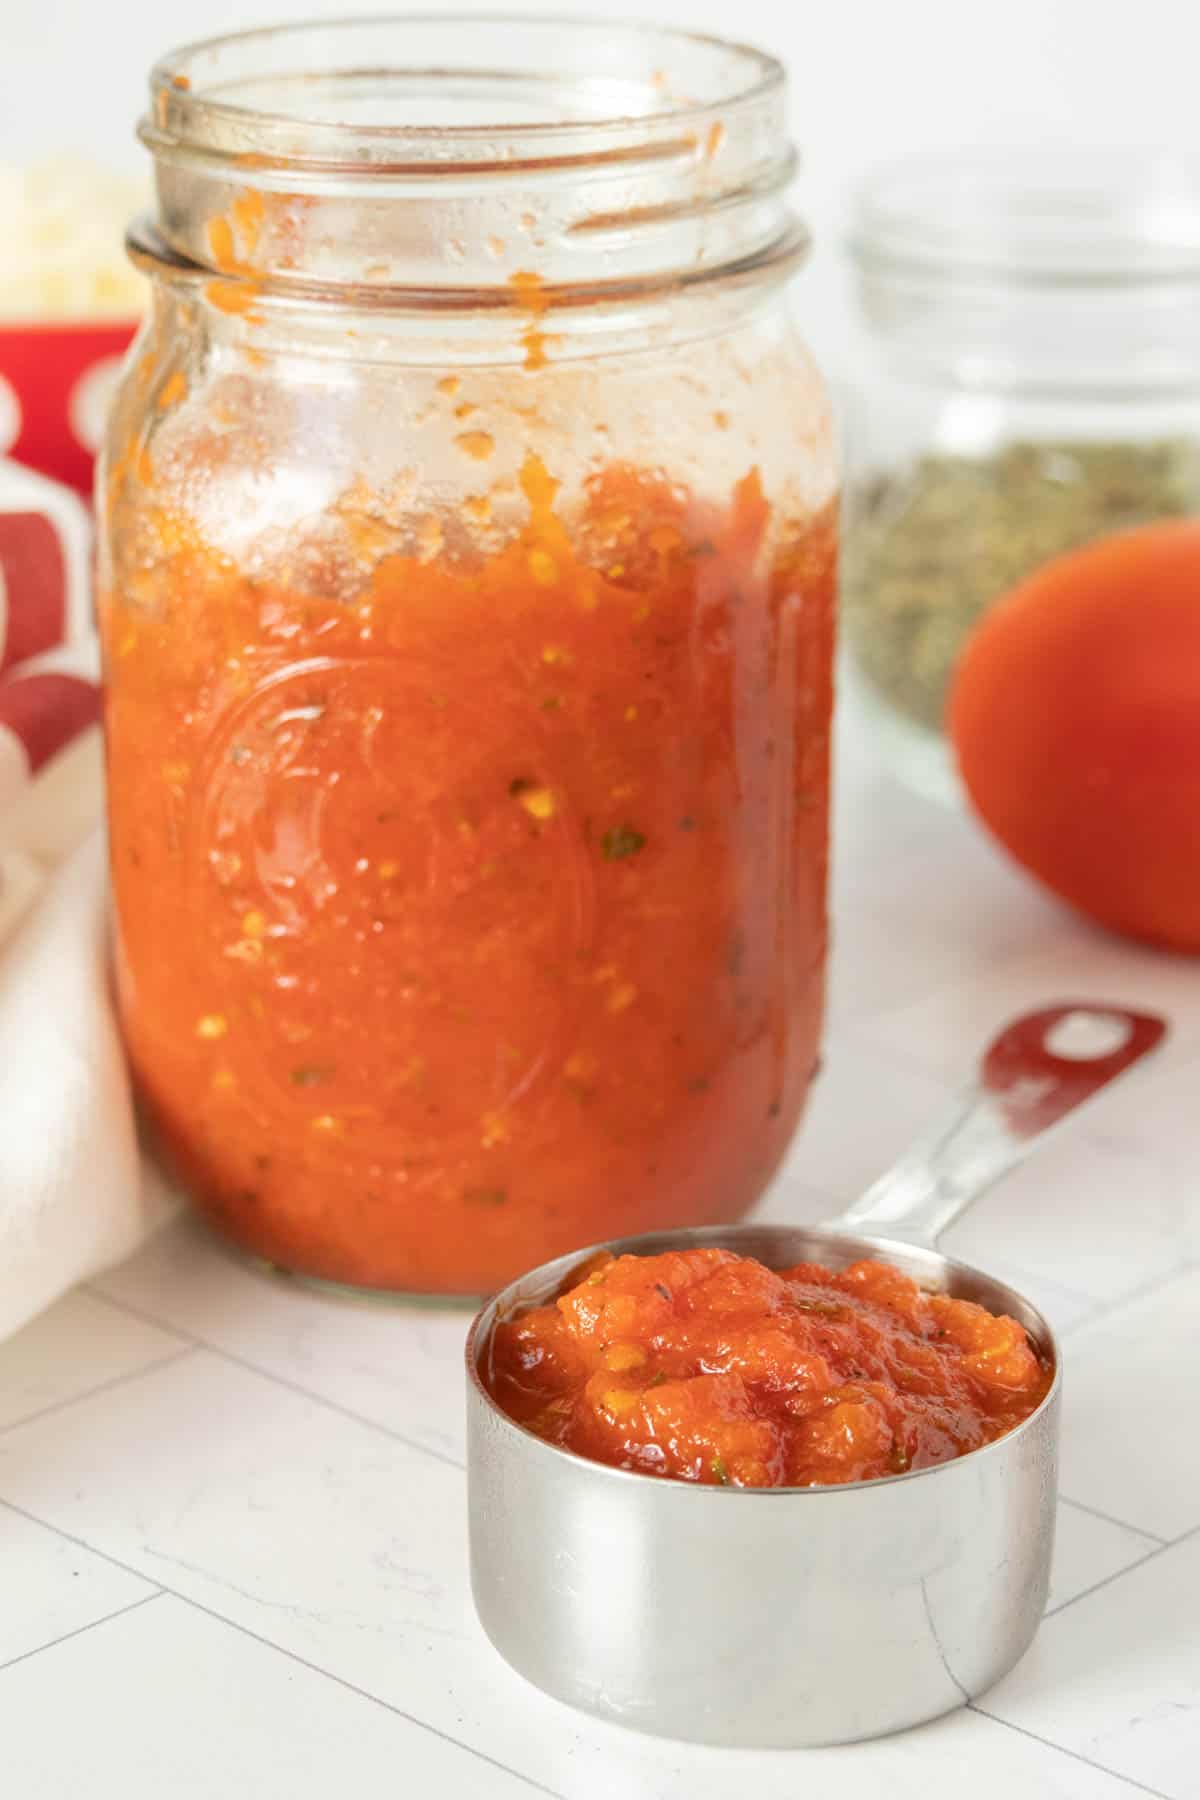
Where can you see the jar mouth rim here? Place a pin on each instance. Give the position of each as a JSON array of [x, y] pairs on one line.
[[469, 150], [189, 83], [1071, 217], [154, 256]]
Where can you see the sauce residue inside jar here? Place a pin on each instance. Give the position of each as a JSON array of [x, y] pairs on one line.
[[706, 1366]]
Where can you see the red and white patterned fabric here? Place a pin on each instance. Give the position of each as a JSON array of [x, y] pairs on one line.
[[45, 704], [49, 685], [56, 379], [49, 676], [75, 1191]]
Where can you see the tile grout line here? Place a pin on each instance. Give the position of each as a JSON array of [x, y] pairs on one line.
[[1160, 1547], [80, 1630], [1108, 1519], [101, 1387], [345, 1412], [1092, 1310], [146, 1318], [244, 1362], [1105, 1581], [1106, 1308], [365, 1694], [198, 1605], [1138, 1787], [1102, 1308]]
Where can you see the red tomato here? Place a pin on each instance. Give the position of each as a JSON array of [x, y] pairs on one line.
[[1075, 716]]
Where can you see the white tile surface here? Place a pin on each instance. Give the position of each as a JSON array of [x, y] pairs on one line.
[[1089, 1550], [939, 1762], [166, 1701], [959, 886], [297, 1473], [344, 1547], [1116, 1677], [877, 826], [863, 1111], [1154, 1123], [1102, 1218], [1130, 1411], [945, 1029], [77, 1345], [52, 1588], [401, 1367], [962, 903], [868, 979], [312, 1527]]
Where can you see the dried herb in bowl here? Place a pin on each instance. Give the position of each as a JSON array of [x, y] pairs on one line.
[[930, 548]]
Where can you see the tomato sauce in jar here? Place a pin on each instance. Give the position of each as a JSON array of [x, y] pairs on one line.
[[706, 1366], [484, 914], [466, 566]]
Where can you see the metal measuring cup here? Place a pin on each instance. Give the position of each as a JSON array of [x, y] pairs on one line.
[[798, 1616]]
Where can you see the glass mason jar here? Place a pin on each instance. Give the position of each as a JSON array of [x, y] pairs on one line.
[[467, 585], [1030, 379]]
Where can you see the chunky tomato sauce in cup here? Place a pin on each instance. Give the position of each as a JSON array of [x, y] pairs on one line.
[[706, 1366]]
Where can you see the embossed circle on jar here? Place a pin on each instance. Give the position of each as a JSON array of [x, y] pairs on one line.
[[406, 899]]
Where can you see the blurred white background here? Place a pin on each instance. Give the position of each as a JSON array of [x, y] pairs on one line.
[[869, 78]]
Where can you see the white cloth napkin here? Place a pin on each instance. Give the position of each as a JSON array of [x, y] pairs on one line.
[[75, 1192], [75, 1195]]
